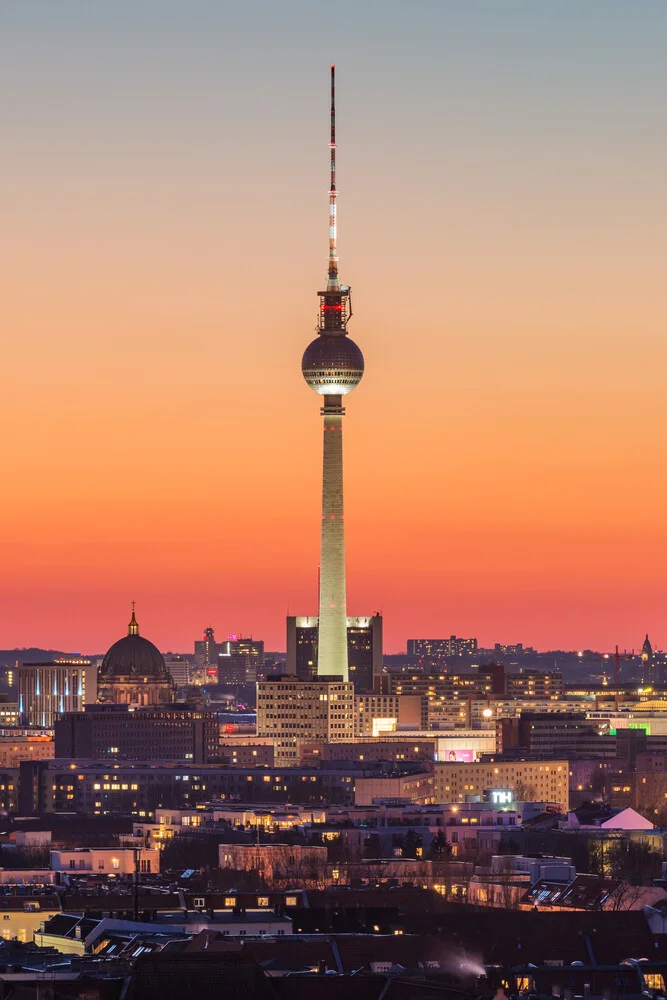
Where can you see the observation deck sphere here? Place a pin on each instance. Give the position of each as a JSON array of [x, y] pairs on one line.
[[332, 365]]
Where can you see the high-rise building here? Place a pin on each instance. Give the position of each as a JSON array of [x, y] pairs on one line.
[[292, 712], [364, 649], [207, 649], [240, 660], [46, 689], [332, 365]]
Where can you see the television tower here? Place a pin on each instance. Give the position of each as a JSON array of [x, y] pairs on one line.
[[333, 365]]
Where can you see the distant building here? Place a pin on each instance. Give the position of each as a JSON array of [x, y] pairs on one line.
[[179, 669], [535, 684], [133, 672], [240, 660], [46, 689], [439, 649], [648, 662], [364, 649], [206, 649]]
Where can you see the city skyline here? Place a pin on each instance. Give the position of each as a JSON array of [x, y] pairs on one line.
[[503, 197]]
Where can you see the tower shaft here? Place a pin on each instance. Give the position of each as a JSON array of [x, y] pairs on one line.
[[332, 631]]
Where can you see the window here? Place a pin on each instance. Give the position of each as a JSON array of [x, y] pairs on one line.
[[290, 900], [230, 900], [262, 900], [115, 864], [199, 901]]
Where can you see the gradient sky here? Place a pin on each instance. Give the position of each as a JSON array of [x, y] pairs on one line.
[[503, 224]]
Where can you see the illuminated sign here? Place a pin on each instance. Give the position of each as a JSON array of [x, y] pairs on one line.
[[502, 797]]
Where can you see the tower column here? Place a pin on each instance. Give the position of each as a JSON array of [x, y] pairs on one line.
[[332, 632]]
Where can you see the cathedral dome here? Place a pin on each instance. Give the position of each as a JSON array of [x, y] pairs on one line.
[[134, 656]]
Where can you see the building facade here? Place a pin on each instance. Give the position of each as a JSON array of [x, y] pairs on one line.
[[174, 732], [293, 712], [526, 780], [375, 714], [46, 689], [364, 649]]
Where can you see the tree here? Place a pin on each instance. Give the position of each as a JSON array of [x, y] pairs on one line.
[[440, 849], [624, 858], [409, 844]]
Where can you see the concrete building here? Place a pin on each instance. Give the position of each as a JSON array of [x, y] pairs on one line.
[[569, 735], [526, 780], [46, 689], [364, 649], [206, 650], [14, 749], [430, 650], [134, 788], [293, 712], [107, 860], [531, 683], [375, 714], [174, 732], [178, 667], [240, 660], [417, 788]]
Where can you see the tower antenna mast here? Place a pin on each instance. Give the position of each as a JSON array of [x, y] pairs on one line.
[[332, 365], [332, 281]]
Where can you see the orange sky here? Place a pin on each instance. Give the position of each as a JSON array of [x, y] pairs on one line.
[[502, 224]]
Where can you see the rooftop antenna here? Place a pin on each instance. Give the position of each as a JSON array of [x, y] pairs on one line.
[[332, 281], [335, 300]]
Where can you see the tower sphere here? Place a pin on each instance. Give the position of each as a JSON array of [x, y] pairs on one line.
[[332, 365]]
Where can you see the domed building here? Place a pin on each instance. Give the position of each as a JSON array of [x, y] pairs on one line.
[[133, 672]]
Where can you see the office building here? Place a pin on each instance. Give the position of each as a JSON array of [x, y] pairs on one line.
[[45, 689], [206, 649], [178, 667], [534, 684], [240, 660], [364, 649], [293, 712], [172, 732], [375, 714]]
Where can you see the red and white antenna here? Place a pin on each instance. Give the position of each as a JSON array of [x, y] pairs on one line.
[[333, 253]]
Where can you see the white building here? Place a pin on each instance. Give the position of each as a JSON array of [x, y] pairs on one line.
[[106, 860]]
